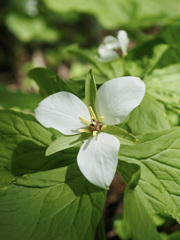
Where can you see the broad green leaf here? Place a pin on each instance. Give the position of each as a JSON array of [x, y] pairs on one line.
[[55, 204], [48, 81], [10, 98], [22, 141], [136, 212], [101, 231], [163, 84], [158, 158], [65, 141], [149, 116], [112, 14], [42, 197], [123, 136], [90, 90]]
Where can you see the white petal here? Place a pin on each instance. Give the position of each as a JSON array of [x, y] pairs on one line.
[[124, 41], [98, 158], [62, 111], [106, 54], [111, 42], [118, 97]]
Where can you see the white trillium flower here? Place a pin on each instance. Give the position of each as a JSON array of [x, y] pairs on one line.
[[65, 112], [113, 48]]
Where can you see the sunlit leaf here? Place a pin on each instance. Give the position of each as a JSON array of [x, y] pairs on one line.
[[158, 158], [163, 84], [136, 212], [149, 116]]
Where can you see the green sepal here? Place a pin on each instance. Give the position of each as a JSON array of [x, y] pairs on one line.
[[90, 90], [66, 141], [123, 136]]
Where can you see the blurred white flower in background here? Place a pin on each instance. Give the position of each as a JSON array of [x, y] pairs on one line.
[[112, 48], [31, 7]]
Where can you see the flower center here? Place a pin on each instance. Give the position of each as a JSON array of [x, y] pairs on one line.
[[95, 125]]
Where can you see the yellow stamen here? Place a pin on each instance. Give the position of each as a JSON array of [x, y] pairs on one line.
[[84, 130], [103, 127], [100, 118], [94, 133], [92, 112], [84, 121], [94, 124]]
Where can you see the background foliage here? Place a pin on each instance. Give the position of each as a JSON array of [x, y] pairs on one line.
[[46, 197]]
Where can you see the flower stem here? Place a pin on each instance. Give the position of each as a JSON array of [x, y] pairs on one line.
[[123, 65], [112, 70], [101, 229]]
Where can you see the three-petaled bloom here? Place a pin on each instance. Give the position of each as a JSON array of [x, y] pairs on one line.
[[113, 48], [65, 112]]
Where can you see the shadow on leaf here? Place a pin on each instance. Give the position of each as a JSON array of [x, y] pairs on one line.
[[29, 157], [79, 184]]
